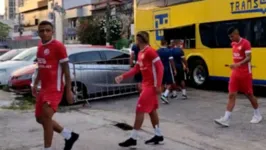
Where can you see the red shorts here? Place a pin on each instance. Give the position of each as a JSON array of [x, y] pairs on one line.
[[240, 83], [52, 98], [148, 100]]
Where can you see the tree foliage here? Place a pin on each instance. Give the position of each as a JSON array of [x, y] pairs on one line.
[[4, 30], [92, 31]]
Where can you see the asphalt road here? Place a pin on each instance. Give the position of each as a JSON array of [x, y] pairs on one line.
[[186, 125]]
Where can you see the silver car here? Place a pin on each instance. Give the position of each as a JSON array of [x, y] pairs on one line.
[[93, 72]]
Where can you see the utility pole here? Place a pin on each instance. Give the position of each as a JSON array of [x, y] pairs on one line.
[[107, 24]]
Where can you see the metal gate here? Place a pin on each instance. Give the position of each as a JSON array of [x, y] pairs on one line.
[[94, 80]]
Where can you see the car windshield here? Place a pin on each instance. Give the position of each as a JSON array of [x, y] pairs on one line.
[[27, 55], [9, 55]]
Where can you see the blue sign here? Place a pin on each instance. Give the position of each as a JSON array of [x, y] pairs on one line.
[[161, 20], [248, 6]]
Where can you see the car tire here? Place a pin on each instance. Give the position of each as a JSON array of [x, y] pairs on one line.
[[198, 73], [80, 93]]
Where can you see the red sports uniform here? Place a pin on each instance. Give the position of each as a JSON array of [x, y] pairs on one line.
[[50, 56], [241, 77], [151, 68]]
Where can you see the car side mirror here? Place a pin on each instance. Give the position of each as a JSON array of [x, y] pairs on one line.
[[35, 60]]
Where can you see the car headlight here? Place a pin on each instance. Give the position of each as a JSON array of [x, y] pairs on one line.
[[25, 77]]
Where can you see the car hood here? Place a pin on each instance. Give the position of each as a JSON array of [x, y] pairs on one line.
[[14, 64], [25, 70]]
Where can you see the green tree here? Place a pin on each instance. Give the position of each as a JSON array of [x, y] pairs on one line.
[[89, 32], [4, 30]]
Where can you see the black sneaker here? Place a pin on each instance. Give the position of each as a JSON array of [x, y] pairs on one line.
[[164, 99], [184, 97], [173, 96], [128, 143], [69, 143], [155, 140]]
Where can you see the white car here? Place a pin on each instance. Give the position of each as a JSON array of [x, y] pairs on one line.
[[25, 58]]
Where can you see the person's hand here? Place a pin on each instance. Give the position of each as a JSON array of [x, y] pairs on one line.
[[175, 72], [34, 90], [234, 66], [187, 70], [158, 90], [69, 96], [119, 79]]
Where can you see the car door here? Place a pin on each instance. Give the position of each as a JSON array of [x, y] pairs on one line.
[[117, 63], [90, 71]]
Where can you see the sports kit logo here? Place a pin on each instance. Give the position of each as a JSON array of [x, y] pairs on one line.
[[46, 51]]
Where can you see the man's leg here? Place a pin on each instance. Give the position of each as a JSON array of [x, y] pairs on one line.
[[224, 121], [47, 114], [132, 141], [155, 123], [165, 94], [257, 118]]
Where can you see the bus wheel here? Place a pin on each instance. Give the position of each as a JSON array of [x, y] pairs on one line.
[[199, 73]]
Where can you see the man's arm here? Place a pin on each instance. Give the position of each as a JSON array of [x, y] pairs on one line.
[[247, 48], [132, 57], [184, 60], [172, 62], [66, 72], [159, 71], [131, 72]]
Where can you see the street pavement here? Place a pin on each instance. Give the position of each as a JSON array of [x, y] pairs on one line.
[[186, 125]]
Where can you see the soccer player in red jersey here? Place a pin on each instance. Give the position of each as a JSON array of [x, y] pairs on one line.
[[241, 77], [52, 67], [151, 68]]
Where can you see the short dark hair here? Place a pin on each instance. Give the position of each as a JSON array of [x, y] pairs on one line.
[[45, 22], [144, 36], [163, 41], [231, 30]]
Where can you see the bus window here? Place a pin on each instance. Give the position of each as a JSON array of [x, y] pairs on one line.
[[258, 32], [214, 35], [187, 34]]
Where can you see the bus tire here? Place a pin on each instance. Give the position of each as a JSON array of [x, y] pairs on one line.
[[198, 73]]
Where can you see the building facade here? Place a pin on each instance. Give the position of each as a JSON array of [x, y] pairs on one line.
[[10, 9], [32, 12]]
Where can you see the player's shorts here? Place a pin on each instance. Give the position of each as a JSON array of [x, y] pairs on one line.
[[52, 98], [168, 77], [138, 77], [180, 75], [148, 100], [240, 83]]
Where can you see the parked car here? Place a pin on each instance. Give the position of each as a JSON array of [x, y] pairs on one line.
[[3, 51], [21, 79], [93, 71], [10, 54], [23, 59]]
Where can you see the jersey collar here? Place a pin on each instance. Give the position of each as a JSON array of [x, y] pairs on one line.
[[48, 42], [145, 48], [240, 40]]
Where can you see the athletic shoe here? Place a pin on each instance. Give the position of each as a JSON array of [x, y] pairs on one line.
[[173, 96], [164, 99], [222, 122], [155, 140], [184, 97], [69, 143], [256, 119], [128, 143]]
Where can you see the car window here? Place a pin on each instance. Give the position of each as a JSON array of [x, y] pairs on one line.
[[86, 57], [115, 57], [9, 55], [27, 55]]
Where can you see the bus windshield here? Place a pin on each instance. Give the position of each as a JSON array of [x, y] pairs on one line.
[[150, 4]]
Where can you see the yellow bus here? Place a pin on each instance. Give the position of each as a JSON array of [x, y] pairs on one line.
[[203, 25]]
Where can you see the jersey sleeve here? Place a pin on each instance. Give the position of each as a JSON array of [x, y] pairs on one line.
[[171, 57], [62, 53], [247, 47]]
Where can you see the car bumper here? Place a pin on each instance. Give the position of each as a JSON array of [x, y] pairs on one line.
[[20, 86]]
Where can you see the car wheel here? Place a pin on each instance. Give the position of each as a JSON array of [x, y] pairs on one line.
[[80, 93], [199, 73]]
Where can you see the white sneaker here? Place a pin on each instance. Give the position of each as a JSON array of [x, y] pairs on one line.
[[222, 122], [256, 119]]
